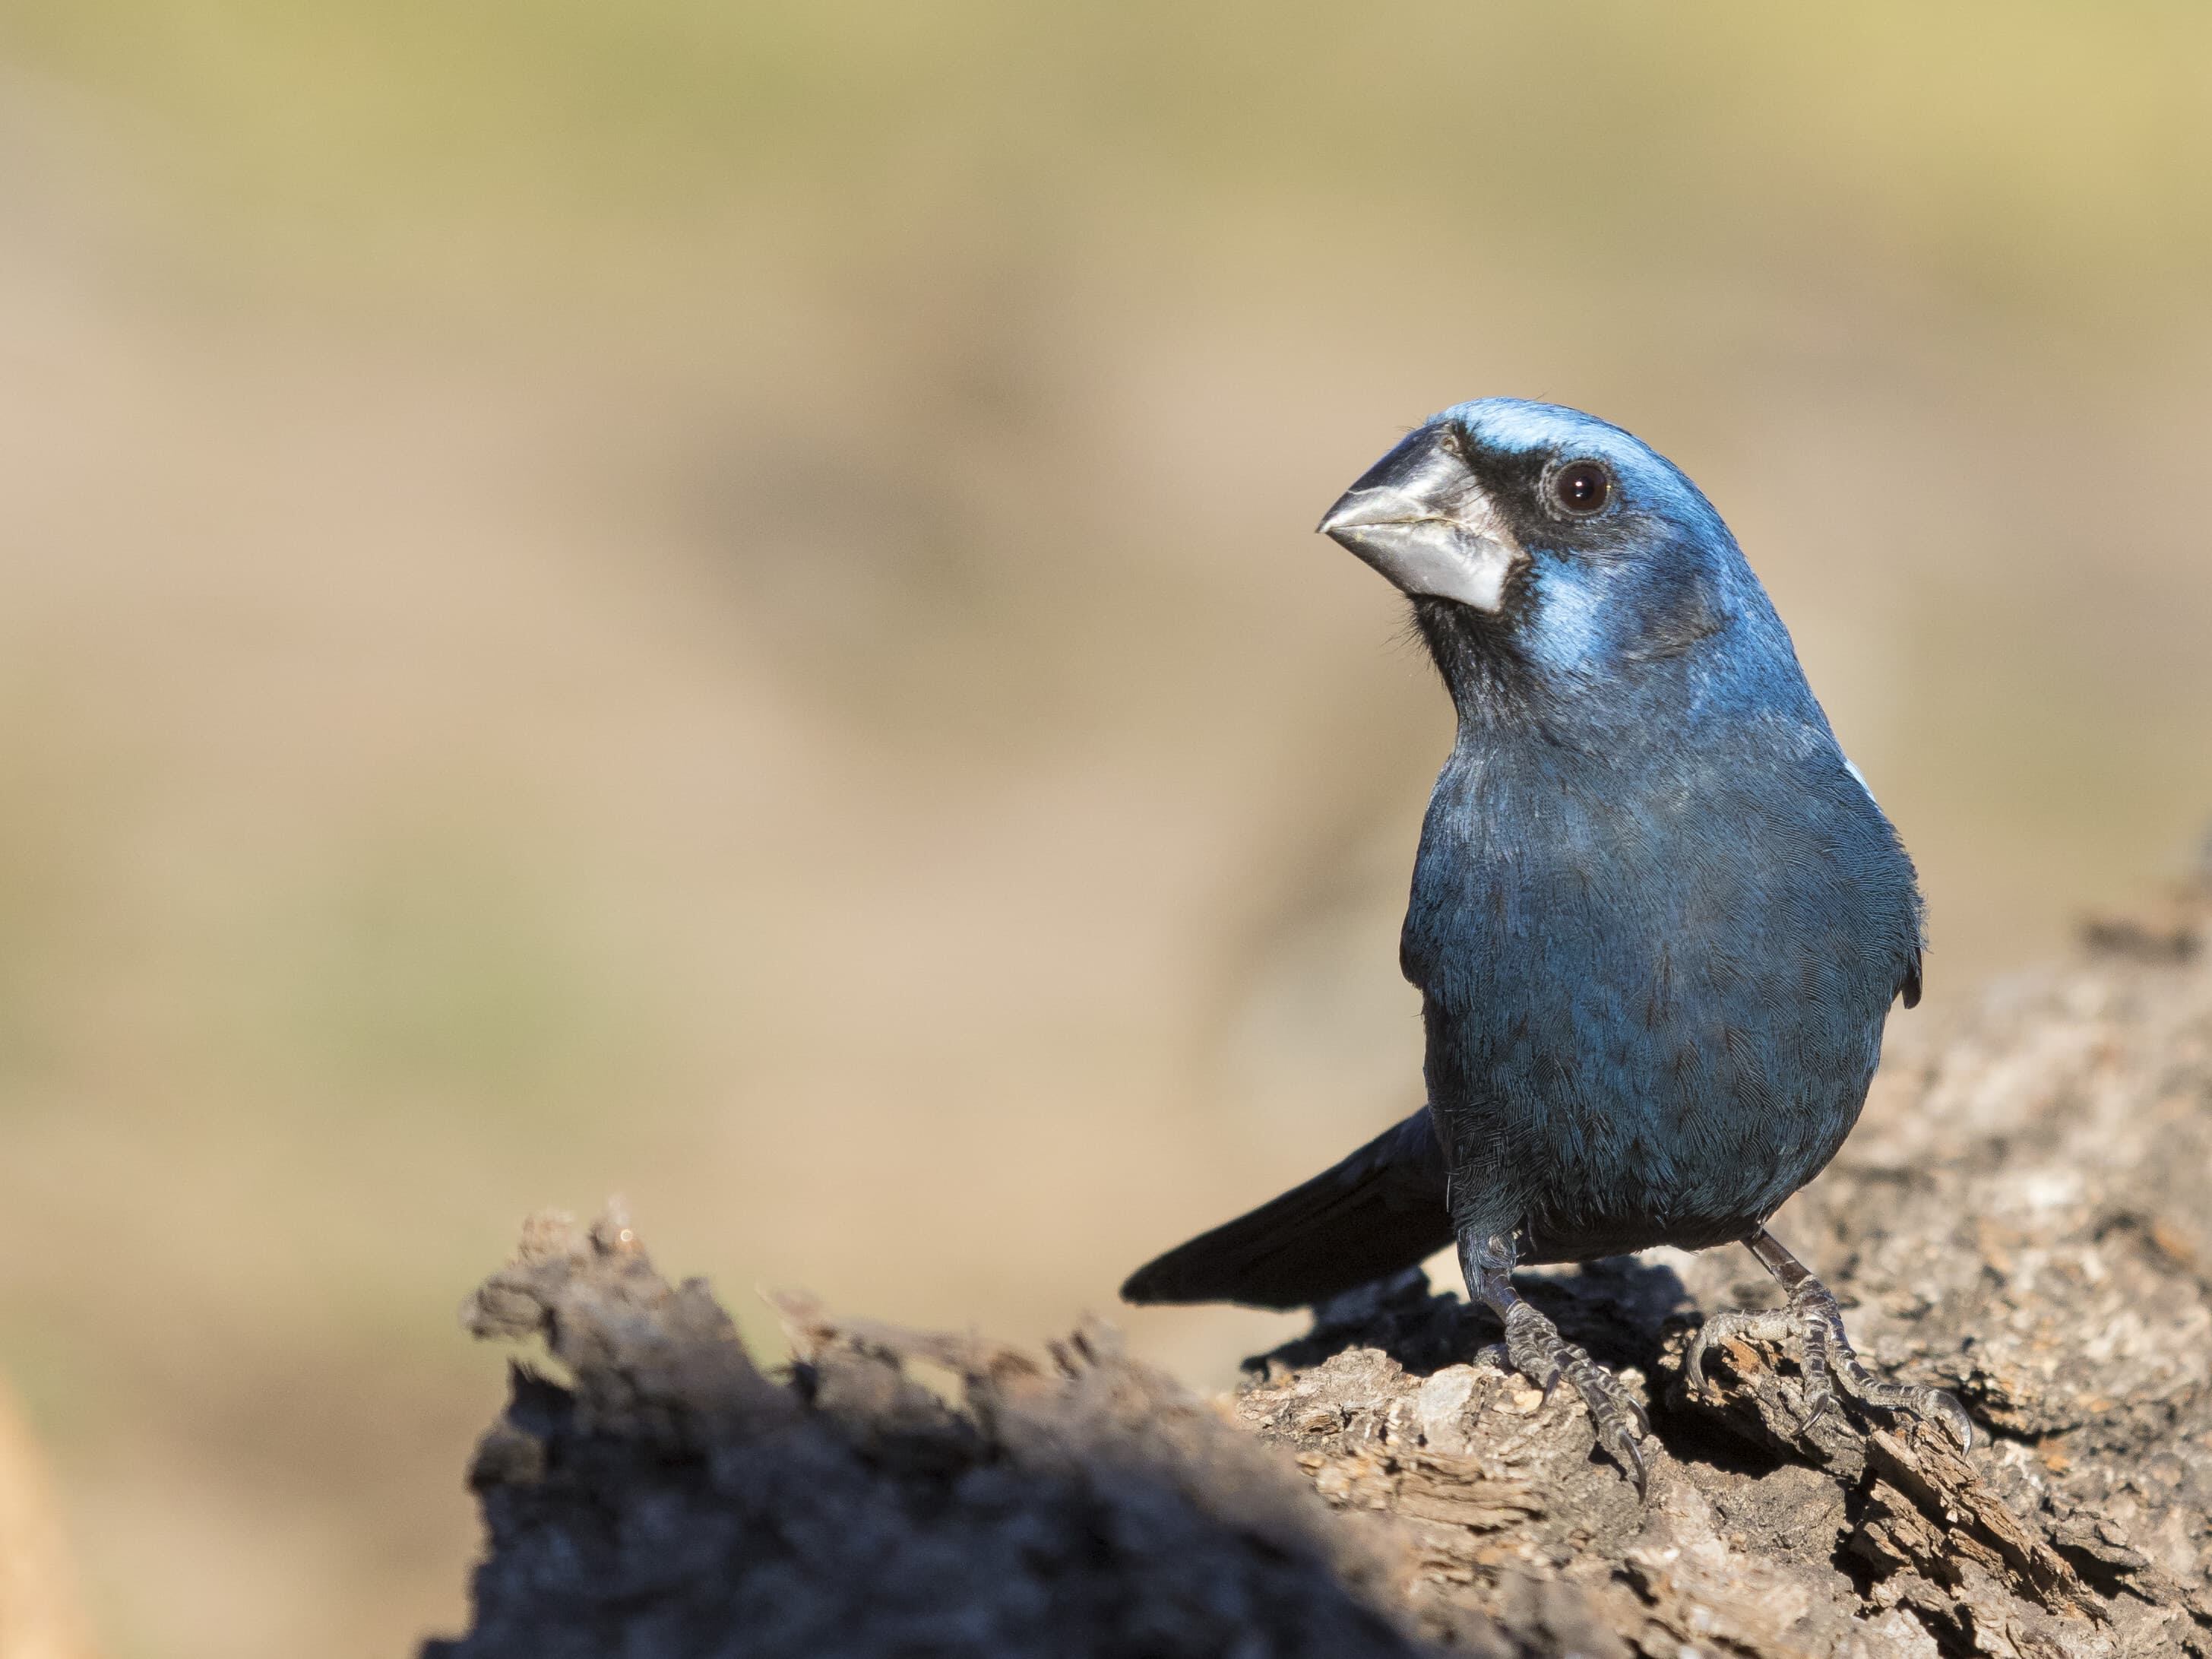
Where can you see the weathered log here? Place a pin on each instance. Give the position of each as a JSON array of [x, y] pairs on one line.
[[2024, 1217]]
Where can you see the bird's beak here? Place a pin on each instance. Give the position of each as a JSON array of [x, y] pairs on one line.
[[1419, 516]]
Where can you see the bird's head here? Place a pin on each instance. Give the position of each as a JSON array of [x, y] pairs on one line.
[[1543, 542]]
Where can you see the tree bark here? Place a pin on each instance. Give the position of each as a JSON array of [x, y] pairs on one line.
[[2023, 1217]]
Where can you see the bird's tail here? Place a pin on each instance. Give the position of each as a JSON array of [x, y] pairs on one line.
[[1379, 1212]]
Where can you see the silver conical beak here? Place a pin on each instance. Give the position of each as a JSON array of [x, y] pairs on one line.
[[1419, 516]]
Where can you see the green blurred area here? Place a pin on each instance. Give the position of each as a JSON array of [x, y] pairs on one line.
[[718, 602], [2021, 154]]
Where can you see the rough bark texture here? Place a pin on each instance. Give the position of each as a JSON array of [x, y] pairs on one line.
[[2025, 1217]]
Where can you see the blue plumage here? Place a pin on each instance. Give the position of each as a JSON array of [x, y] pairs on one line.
[[1657, 919]]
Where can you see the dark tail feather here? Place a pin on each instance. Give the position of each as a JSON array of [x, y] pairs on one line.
[[1379, 1212]]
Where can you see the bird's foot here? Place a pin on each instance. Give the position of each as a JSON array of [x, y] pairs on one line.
[[1826, 1358], [1540, 1353]]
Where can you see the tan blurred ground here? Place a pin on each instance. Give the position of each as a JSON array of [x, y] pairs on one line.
[[718, 603]]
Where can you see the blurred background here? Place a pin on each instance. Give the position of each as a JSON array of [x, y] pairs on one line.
[[717, 602]]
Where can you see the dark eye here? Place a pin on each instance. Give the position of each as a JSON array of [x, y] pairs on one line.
[[1582, 488]]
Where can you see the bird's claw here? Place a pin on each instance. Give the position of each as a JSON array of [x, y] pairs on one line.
[[1769, 1325], [1821, 1404], [1945, 1410], [1826, 1358], [1929, 1405], [1628, 1453], [1643, 1417], [1540, 1353]]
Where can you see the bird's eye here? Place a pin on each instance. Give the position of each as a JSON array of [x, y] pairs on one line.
[[1582, 488]]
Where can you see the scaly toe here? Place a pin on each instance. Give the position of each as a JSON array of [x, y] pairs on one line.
[[1497, 1356], [1543, 1355], [1828, 1352], [1621, 1428], [1934, 1406], [1952, 1415], [1929, 1405], [1826, 1357], [1618, 1420], [1767, 1323]]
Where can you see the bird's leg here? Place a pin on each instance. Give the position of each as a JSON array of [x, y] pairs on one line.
[[1825, 1352], [1540, 1353]]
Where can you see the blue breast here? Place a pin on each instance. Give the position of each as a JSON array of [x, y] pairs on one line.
[[1656, 962]]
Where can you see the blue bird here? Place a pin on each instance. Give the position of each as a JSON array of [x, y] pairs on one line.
[[1658, 919]]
